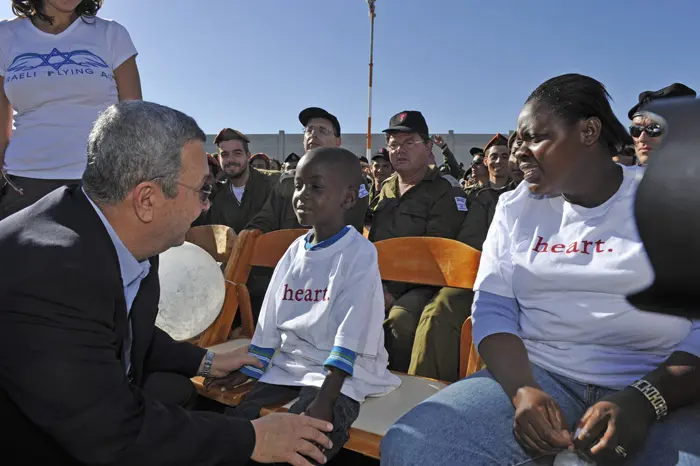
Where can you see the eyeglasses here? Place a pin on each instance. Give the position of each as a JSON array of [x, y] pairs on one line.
[[653, 130], [204, 192], [320, 129], [394, 146]]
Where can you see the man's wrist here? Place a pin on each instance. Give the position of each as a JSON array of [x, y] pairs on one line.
[[205, 367]]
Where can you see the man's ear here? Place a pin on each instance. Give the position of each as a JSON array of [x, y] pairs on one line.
[[144, 199]]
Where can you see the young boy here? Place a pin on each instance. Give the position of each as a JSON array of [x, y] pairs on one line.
[[319, 334]]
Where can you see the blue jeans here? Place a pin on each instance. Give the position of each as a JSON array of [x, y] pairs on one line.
[[471, 423]]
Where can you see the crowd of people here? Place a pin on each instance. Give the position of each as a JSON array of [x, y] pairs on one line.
[[87, 378]]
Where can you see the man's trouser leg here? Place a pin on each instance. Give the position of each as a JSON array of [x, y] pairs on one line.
[[400, 326], [436, 346]]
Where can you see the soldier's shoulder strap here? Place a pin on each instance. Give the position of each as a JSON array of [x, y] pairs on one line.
[[452, 180]]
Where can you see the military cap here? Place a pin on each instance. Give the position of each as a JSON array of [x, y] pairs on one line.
[[668, 92]]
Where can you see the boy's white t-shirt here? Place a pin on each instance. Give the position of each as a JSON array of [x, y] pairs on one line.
[[570, 269], [321, 299], [58, 84]]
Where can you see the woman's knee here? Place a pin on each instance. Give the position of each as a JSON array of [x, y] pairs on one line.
[[449, 423]]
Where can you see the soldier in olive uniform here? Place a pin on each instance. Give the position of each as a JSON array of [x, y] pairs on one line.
[[436, 346], [321, 129], [381, 170], [414, 201], [290, 163], [245, 189], [454, 167]]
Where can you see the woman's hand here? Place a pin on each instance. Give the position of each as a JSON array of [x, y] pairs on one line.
[[615, 427], [539, 424]]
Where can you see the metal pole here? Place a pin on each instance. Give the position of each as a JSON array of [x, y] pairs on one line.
[[371, 66]]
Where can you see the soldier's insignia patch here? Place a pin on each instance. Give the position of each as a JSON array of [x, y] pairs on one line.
[[363, 191], [461, 204]]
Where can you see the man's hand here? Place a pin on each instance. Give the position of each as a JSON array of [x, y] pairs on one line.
[[439, 141], [288, 438], [619, 420], [320, 410], [230, 361], [539, 424]]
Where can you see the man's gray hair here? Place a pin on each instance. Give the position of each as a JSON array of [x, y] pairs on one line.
[[136, 141]]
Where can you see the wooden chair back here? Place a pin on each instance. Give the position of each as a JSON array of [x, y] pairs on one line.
[[469, 359], [436, 262], [255, 249], [428, 261], [220, 241], [217, 240]]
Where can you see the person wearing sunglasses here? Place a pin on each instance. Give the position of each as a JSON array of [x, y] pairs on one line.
[[646, 131]]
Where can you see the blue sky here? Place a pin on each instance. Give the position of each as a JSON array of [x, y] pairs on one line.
[[468, 65]]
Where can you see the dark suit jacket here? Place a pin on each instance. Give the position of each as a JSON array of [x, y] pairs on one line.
[[64, 395]]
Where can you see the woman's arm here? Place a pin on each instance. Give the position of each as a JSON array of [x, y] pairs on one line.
[[5, 122], [624, 418], [128, 80], [506, 358], [538, 422]]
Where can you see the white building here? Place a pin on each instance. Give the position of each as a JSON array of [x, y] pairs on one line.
[[279, 146]]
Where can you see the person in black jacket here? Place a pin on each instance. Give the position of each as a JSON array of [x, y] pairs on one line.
[[79, 295]]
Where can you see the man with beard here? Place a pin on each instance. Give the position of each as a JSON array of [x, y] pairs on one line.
[[321, 129], [246, 188]]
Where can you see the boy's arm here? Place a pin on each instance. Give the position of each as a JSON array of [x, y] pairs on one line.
[[322, 406]]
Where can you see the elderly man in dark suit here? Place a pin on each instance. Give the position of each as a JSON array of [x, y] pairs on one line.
[[79, 292]]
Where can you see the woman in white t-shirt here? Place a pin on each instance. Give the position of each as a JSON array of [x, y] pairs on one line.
[[60, 67], [563, 347]]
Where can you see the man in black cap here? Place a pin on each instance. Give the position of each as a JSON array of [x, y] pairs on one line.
[[414, 201], [290, 163], [381, 170], [321, 129], [477, 175], [645, 130]]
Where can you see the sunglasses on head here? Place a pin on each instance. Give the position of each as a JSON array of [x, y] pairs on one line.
[[653, 130]]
